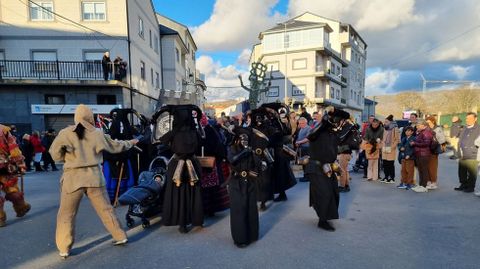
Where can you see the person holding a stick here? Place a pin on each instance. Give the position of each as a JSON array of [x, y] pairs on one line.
[[80, 147], [12, 167]]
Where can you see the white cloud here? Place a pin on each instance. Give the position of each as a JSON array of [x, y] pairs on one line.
[[244, 57], [217, 75], [381, 82], [460, 71], [374, 15], [235, 24]]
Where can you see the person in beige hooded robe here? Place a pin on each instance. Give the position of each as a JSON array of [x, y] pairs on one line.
[[80, 147]]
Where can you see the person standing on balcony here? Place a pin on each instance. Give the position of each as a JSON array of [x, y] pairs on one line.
[[106, 65]]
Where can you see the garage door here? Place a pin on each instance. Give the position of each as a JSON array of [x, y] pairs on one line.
[[58, 122]]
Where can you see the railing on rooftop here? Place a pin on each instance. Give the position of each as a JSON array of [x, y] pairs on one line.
[[87, 70]]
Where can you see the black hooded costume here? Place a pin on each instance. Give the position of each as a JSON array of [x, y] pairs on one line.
[[282, 174], [321, 170], [179, 127], [246, 166]]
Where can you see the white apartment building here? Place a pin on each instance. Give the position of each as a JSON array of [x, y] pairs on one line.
[[179, 73], [323, 61], [50, 53]]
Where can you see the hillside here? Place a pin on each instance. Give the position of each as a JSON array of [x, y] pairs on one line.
[[432, 102]]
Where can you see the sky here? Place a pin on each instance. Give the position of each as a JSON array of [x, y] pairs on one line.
[[437, 38]]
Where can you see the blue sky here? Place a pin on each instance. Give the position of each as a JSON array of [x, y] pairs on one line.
[[442, 41]]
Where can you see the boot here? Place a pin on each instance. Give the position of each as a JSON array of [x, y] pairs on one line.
[[3, 218], [19, 205], [38, 168], [281, 197]]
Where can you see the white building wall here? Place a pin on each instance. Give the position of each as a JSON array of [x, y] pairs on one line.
[[140, 47]]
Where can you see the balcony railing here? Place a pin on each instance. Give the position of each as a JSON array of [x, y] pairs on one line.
[[87, 70]]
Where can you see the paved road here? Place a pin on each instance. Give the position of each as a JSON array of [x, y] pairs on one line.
[[380, 227]]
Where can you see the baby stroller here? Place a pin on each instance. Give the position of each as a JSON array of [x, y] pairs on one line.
[[145, 199]]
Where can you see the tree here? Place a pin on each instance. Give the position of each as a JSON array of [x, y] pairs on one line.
[[411, 101], [462, 100]]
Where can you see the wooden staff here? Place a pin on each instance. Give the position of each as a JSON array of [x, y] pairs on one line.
[[115, 203], [21, 183]]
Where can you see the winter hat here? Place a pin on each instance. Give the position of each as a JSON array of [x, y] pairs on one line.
[[84, 115], [390, 117]]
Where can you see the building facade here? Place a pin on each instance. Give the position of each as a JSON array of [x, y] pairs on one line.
[[314, 62], [179, 73], [51, 52]]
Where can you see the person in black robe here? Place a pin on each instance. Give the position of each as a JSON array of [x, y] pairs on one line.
[[261, 145], [321, 169], [182, 204], [243, 206], [282, 174]]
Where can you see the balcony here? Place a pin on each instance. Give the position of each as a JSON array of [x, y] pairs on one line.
[[51, 70], [321, 71]]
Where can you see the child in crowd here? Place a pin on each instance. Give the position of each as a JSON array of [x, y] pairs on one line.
[[407, 159]]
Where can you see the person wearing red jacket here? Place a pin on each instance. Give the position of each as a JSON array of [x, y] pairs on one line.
[[423, 153], [38, 149], [11, 167]]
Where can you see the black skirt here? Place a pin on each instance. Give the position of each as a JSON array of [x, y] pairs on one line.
[[243, 210], [182, 205], [324, 196]]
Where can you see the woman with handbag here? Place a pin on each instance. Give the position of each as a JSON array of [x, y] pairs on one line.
[[372, 143], [433, 162], [391, 138], [212, 153]]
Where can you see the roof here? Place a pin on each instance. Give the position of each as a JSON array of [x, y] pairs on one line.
[[295, 25], [164, 30], [182, 25]]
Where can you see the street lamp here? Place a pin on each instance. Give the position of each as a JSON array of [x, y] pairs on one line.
[[285, 51]]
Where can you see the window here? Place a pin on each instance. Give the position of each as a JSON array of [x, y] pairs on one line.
[[273, 66], [299, 64], [351, 94], [338, 70], [44, 61], [93, 11], [151, 75], [298, 90], [41, 11], [55, 99], [332, 68], [142, 70], [273, 91], [93, 59], [177, 55], [295, 39], [193, 56], [107, 99], [157, 80], [140, 27], [338, 94], [150, 36], [155, 41], [332, 92], [2, 60]]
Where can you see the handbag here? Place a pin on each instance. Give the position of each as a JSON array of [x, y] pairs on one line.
[[206, 161]]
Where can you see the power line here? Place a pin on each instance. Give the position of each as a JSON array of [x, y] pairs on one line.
[[436, 46]]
